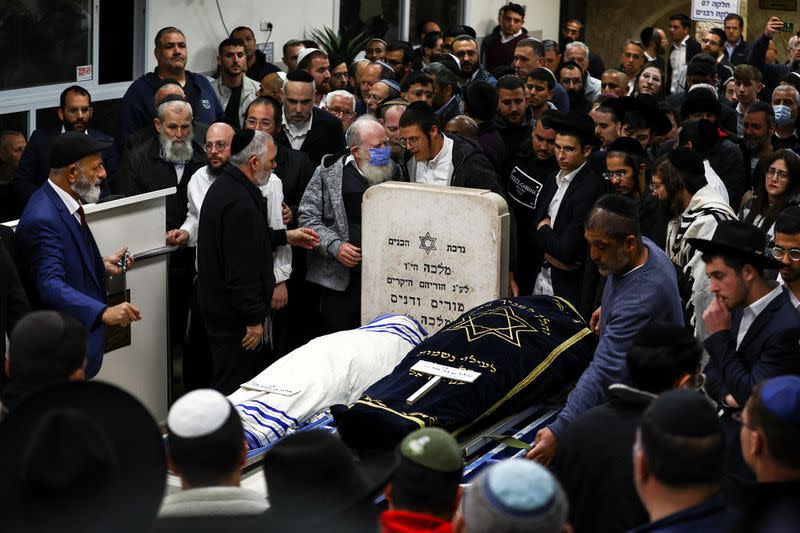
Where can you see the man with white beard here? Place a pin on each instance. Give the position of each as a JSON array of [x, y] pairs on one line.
[[234, 262], [169, 160], [340, 182], [60, 265]]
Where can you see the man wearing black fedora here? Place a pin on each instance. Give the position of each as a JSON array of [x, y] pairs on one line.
[[315, 484], [80, 456], [562, 207], [753, 329]]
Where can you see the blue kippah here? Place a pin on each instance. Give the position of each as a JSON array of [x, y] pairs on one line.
[[781, 397]]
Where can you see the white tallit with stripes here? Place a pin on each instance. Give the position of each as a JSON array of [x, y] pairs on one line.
[[329, 370], [699, 220]]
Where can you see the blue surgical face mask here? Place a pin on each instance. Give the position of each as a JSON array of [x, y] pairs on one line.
[[783, 115], [380, 156]]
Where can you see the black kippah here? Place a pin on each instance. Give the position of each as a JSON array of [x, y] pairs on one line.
[[241, 139], [684, 413], [628, 145], [619, 205], [420, 106], [300, 75], [172, 98], [686, 159]]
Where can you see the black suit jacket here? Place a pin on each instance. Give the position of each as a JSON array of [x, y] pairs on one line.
[[692, 49], [740, 53], [294, 168], [34, 165], [325, 137], [564, 240], [143, 170], [769, 348]]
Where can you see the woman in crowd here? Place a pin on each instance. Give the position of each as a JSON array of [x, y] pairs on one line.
[[627, 173], [650, 81], [776, 188]]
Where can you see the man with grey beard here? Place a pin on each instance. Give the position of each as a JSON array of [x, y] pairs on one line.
[[236, 280], [169, 160], [341, 181], [60, 264]]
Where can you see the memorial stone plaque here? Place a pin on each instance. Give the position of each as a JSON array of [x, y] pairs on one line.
[[432, 252]]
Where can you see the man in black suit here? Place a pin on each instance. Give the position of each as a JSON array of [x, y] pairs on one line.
[[682, 49], [235, 279], [735, 47], [75, 113], [308, 128], [753, 328], [566, 198]]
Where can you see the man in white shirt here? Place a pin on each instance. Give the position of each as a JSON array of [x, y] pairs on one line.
[[786, 249], [563, 204], [752, 326]]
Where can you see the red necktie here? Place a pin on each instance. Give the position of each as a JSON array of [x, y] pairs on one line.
[[83, 216]]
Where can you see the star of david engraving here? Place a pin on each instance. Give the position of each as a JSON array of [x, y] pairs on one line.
[[427, 242], [509, 330]]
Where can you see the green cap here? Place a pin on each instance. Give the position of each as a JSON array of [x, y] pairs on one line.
[[434, 449]]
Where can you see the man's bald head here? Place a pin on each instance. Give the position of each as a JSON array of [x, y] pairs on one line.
[[271, 85], [218, 146], [464, 126]]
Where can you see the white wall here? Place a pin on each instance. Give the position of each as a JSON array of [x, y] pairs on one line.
[[540, 15], [200, 22]]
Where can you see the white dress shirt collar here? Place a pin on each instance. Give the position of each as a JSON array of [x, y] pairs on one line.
[[72, 204], [751, 312]]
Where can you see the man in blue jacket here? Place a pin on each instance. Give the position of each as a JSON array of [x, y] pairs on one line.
[[641, 288], [138, 109], [61, 266]]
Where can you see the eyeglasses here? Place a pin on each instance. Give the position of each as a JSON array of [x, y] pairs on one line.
[[217, 145], [778, 253], [781, 174], [265, 123], [373, 98], [410, 141], [338, 111], [614, 175]]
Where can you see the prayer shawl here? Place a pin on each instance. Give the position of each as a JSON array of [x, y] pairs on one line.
[[525, 349], [329, 370], [699, 220]]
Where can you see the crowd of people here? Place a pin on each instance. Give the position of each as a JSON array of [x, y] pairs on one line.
[[659, 196]]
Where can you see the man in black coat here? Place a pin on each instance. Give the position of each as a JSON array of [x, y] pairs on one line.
[[525, 183], [169, 160], [235, 279], [594, 457], [74, 113], [308, 128], [563, 204]]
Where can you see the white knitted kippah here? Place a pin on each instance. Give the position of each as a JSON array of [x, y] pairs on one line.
[[198, 413]]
